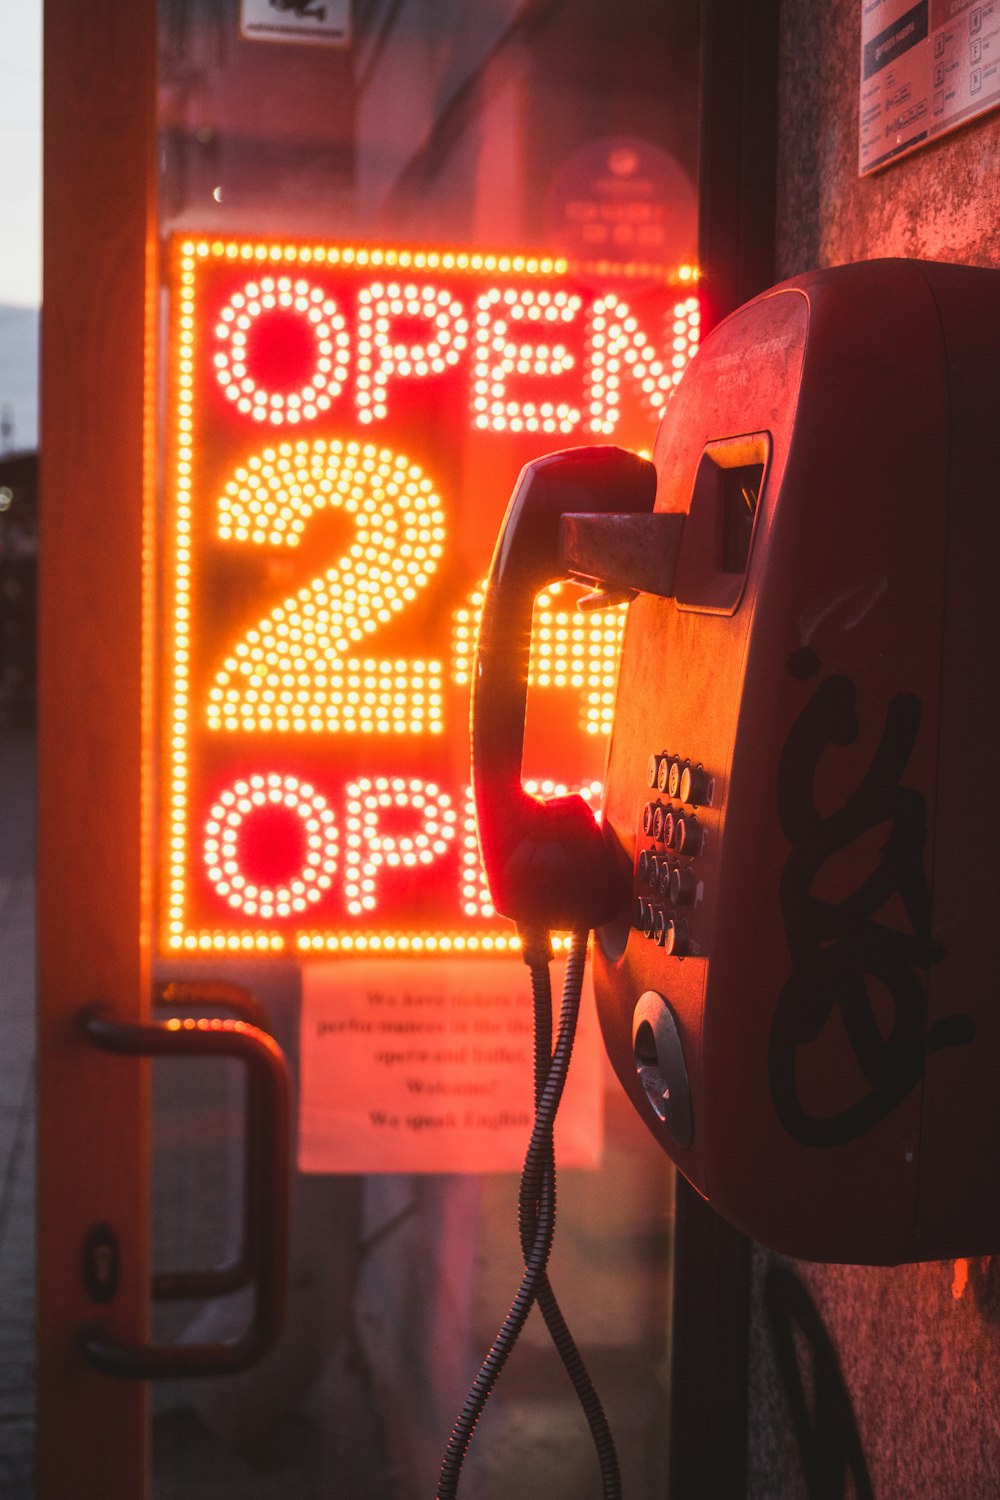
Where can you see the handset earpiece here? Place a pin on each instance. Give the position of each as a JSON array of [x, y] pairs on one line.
[[546, 860]]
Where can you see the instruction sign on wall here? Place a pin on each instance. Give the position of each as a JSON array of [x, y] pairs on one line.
[[925, 69]]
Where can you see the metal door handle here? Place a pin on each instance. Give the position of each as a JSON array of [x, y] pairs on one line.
[[266, 1189], [200, 994]]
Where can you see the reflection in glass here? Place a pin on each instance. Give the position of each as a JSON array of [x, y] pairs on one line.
[[547, 127]]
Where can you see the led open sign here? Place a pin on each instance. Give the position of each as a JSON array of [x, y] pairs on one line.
[[345, 428]]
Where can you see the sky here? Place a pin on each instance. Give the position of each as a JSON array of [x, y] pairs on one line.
[[20, 152], [20, 221]]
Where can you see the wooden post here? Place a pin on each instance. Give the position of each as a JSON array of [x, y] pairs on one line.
[[99, 288]]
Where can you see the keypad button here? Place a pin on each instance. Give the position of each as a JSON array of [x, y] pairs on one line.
[[653, 769], [694, 785], [674, 778], [677, 941], [688, 835], [682, 886]]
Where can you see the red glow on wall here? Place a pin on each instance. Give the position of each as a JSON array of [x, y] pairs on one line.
[[315, 705]]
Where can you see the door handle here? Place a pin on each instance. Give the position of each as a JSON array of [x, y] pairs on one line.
[[200, 994], [264, 1256]]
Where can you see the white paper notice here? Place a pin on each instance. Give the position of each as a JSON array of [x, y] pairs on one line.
[[426, 1066]]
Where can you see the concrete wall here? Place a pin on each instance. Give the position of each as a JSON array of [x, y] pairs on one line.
[[864, 1382]]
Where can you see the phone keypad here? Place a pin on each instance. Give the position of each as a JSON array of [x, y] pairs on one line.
[[670, 843]]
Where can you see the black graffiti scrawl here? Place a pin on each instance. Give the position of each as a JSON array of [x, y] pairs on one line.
[[838, 949]]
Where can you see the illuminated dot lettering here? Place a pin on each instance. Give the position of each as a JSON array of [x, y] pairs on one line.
[[181, 642], [430, 942], [274, 344], [475, 892], [503, 351], [302, 308], [618, 344], [380, 356], [292, 672], [369, 848], [236, 806], [570, 648], [376, 255], [687, 331]]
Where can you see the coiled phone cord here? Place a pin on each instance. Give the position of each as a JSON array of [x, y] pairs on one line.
[[536, 1220], [528, 1211]]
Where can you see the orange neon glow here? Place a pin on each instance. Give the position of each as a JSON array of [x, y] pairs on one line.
[[570, 648], [318, 319], [316, 867], [379, 357], [369, 848], [507, 344], [346, 424], [293, 669]]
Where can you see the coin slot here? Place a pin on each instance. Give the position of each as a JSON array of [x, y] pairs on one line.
[[659, 1063]]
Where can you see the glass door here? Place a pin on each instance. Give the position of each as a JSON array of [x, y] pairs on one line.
[[397, 250]]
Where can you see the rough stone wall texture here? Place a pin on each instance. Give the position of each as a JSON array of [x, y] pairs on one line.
[[942, 202], [872, 1382]]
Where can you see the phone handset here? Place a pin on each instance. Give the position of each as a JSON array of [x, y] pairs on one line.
[[546, 859]]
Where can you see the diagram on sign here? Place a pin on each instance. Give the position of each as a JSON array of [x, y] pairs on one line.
[[926, 68]]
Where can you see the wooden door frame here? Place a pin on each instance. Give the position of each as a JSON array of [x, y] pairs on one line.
[[94, 720]]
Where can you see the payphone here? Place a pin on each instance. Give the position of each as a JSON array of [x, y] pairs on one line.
[[794, 880]]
